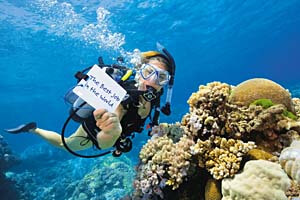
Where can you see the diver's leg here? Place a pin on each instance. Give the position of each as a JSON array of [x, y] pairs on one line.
[[77, 141], [50, 136]]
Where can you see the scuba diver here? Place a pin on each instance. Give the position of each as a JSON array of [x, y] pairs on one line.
[[104, 129]]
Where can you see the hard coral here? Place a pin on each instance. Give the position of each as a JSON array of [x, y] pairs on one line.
[[154, 147], [221, 157], [267, 127], [176, 156], [207, 110], [213, 190], [173, 131], [296, 102], [260, 179], [258, 154], [261, 89]]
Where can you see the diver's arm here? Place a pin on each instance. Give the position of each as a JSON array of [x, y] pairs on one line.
[[110, 126]]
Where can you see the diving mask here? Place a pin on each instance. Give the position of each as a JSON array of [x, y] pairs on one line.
[[155, 74]]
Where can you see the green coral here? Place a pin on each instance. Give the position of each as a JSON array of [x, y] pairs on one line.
[[289, 115], [265, 103]]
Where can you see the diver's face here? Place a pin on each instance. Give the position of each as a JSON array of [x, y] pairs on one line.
[[151, 82]]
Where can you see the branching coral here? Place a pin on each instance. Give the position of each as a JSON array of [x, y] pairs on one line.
[[221, 157], [175, 156], [238, 124], [149, 178], [207, 110], [154, 147], [179, 161], [265, 126]]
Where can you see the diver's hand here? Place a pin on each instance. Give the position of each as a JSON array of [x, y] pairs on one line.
[[108, 122]]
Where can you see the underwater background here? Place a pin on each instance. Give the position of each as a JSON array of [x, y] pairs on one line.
[[43, 43]]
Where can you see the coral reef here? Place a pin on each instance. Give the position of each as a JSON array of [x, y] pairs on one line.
[[108, 180], [8, 189], [77, 178], [260, 179], [225, 127]]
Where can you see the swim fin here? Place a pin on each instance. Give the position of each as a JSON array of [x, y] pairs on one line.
[[22, 128]]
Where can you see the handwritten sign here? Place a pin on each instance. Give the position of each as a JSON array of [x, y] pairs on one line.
[[100, 90]]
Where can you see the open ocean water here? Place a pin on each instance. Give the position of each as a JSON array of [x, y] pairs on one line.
[[44, 42]]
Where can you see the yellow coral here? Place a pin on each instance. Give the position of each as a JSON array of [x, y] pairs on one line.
[[257, 154], [221, 157], [170, 182], [212, 190]]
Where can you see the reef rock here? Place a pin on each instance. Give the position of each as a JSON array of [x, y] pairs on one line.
[[249, 91]]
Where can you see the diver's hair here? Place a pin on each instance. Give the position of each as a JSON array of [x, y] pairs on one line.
[[158, 58]]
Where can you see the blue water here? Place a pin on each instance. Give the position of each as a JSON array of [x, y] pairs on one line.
[[44, 42]]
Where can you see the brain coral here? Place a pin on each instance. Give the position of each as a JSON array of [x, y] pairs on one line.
[[248, 91], [260, 179]]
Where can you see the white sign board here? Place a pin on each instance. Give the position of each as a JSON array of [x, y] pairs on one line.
[[100, 90]]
